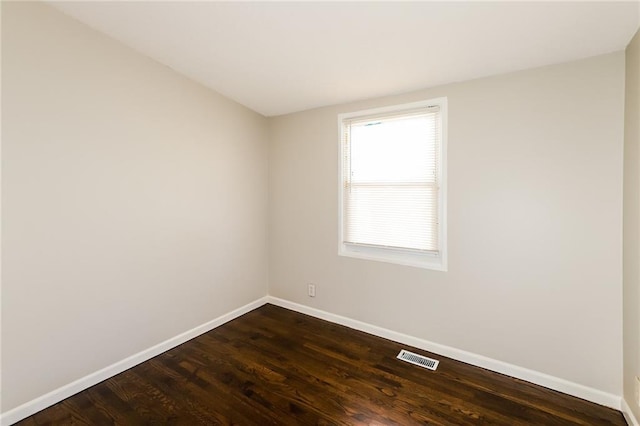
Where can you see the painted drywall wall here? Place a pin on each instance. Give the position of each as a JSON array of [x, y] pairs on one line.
[[134, 202], [631, 249], [534, 223]]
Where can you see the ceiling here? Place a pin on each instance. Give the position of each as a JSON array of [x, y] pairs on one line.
[[277, 57]]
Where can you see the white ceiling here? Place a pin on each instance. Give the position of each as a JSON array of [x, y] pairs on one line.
[[277, 58]]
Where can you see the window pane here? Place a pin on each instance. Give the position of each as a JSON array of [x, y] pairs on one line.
[[398, 150], [403, 216]]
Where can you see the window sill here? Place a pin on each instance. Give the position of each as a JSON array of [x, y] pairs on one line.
[[399, 257]]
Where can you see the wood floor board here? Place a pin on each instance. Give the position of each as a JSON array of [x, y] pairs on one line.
[[273, 366]]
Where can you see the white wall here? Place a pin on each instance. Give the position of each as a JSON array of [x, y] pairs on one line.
[[134, 202], [535, 219], [632, 224]]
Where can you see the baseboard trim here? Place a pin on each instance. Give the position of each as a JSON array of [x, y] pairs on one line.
[[536, 377], [29, 408], [628, 414]]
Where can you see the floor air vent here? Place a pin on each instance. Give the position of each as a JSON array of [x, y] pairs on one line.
[[419, 360]]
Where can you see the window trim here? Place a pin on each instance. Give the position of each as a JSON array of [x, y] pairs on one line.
[[433, 261]]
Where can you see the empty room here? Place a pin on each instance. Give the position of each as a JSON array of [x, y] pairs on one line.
[[320, 213]]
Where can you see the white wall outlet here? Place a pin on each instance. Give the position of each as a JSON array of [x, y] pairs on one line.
[[312, 290]]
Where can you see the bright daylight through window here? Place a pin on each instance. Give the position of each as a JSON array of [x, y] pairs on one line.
[[392, 186]]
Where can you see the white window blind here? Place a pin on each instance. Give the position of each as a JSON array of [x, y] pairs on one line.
[[391, 180]]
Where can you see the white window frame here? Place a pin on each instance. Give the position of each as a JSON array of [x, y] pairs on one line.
[[395, 255]]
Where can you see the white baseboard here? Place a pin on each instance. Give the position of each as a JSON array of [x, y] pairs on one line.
[[628, 414], [55, 396], [542, 379]]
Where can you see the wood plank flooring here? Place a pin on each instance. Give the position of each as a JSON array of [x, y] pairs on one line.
[[273, 366]]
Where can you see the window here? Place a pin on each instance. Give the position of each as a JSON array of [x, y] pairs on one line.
[[392, 186]]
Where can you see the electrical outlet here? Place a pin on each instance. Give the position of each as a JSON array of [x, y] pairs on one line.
[[312, 290]]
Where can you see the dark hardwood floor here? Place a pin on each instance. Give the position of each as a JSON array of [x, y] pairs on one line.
[[273, 366]]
